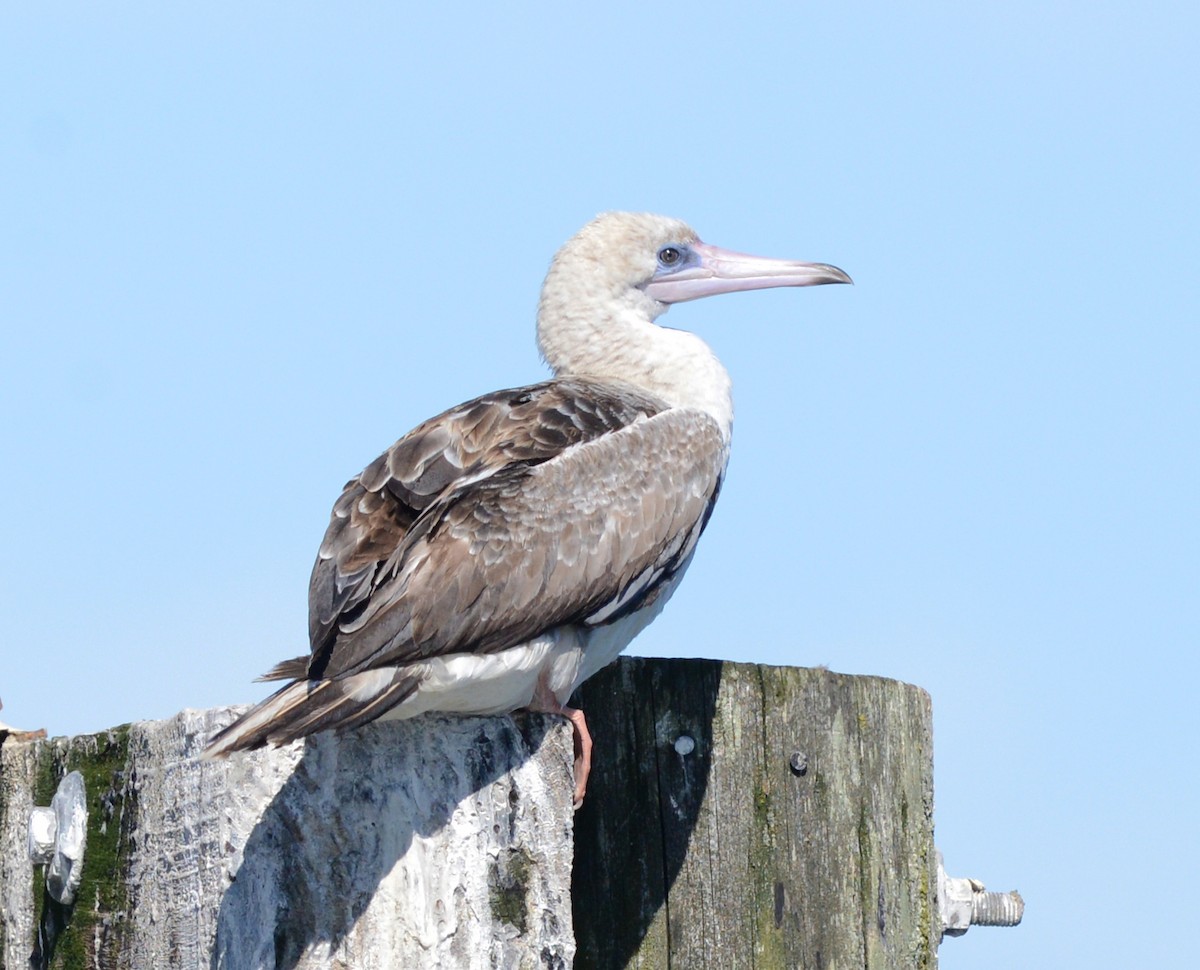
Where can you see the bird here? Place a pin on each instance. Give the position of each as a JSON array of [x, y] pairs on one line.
[[504, 551], [7, 731]]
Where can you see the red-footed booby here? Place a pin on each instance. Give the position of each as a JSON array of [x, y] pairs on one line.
[[501, 553]]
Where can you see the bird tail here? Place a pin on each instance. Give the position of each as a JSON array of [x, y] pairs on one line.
[[294, 669], [308, 706]]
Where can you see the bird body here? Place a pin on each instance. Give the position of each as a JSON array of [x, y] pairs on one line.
[[504, 551]]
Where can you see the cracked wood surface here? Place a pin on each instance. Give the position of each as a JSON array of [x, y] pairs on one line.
[[439, 842]]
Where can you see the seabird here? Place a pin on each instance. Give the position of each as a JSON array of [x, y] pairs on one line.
[[8, 731], [501, 553]]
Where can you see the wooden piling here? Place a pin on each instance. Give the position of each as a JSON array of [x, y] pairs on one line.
[[742, 815], [737, 816]]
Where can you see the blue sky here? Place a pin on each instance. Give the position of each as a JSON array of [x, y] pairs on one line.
[[245, 247]]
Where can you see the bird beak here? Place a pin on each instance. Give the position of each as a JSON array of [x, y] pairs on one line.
[[714, 270]]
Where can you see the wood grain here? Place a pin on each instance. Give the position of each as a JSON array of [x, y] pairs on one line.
[[752, 816]]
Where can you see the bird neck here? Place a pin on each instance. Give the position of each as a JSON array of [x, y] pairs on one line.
[[622, 343]]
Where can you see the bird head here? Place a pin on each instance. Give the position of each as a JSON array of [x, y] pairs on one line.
[[628, 268], [648, 262]]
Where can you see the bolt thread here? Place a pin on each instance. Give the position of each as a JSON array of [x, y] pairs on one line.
[[997, 909]]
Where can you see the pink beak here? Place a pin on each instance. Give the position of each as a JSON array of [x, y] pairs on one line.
[[724, 271]]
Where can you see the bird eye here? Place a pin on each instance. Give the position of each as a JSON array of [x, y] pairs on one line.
[[669, 256]]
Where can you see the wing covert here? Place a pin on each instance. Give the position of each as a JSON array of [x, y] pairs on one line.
[[478, 440], [574, 539]]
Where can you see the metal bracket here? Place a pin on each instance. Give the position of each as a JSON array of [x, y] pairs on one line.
[[58, 836]]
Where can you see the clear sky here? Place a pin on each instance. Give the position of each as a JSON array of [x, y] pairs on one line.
[[246, 246]]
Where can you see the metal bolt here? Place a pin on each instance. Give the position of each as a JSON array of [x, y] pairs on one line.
[[684, 745], [798, 762], [58, 836], [997, 909], [963, 903]]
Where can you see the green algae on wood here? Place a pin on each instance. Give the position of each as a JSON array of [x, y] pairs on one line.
[[91, 933], [508, 883]]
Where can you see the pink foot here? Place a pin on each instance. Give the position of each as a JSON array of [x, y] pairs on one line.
[[583, 751]]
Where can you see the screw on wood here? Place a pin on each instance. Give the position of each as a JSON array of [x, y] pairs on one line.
[[58, 836], [963, 903], [798, 762]]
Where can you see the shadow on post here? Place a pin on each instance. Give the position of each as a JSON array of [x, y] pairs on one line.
[[650, 771], [347, 815]]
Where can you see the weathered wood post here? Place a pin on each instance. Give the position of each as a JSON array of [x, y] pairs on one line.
[[737, 816], [742, 815], [440, 843]]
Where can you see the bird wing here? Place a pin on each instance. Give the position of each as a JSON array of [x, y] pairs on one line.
[[580, 538], [584, 537], [565, 502]]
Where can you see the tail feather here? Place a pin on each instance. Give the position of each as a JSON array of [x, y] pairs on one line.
[[294, 669], [308, 706], [391, 696]]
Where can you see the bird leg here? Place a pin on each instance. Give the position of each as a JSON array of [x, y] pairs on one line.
[[583, 750], [544, 701]]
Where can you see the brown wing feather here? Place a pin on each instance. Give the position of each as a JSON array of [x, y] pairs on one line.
[[492, 435], [486, 568]]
